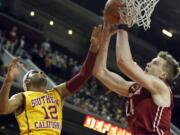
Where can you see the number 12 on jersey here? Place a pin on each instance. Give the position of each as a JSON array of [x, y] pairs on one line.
[[50, 112]]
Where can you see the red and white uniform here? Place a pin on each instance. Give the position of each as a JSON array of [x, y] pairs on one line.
[[144, 116]]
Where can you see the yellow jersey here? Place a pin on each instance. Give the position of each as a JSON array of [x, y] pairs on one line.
[[42, 114]]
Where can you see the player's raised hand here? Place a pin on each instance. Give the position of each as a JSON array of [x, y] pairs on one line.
[[96, 37], [14, 69]]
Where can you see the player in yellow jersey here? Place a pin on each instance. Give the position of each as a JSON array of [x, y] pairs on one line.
[[37, 110]]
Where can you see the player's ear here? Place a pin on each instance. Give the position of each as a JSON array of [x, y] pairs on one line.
[[164, 75], [27, 81]]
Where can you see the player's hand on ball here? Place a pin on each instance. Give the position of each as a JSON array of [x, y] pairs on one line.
[[14, 69]]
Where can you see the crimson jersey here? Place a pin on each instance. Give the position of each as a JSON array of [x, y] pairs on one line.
[[144, 116]]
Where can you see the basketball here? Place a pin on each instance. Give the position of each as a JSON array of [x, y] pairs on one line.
[[111, 11]]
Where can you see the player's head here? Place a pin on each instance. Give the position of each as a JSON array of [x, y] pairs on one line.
[[163, 66], [34, 80]]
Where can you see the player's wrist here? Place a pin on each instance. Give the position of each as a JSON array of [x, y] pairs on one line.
[[123, 27], [9, 79], [94, 48]]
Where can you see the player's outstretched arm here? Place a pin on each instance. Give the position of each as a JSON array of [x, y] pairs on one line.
[[131, 69], [110, 79], [10, 105], [73, 84]]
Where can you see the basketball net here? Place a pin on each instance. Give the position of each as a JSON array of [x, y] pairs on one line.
[[137, 12]]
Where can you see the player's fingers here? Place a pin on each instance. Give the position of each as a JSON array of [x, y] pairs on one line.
[[97, 30], [16, 60], [94, 31], [100, 26]]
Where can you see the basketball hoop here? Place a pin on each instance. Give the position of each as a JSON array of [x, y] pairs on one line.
[[137, 12]]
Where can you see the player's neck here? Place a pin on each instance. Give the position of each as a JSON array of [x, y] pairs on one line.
[[37, 89]]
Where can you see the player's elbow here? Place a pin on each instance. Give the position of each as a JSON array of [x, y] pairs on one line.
[[120, 63], [94, 72], [123, 63], [98, 73]]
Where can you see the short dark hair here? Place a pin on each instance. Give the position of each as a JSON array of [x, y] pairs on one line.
[[171, 66]]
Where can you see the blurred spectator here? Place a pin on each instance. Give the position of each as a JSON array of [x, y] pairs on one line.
[[63, 61], [2, 39], [42, 53], [123, 122], [60, 61], [75, 69], [22, 52], [56, 58], [72, 62], [46, 46], [11, 39], [1, 42], [35, 49], [21, 43]]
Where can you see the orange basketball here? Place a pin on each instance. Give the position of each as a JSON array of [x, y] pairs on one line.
[[111, 9]]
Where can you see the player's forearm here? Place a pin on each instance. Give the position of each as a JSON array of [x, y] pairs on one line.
[[123, 52], [114, 82], [93, 48], [86, 71], [101, 59], [4, 95]]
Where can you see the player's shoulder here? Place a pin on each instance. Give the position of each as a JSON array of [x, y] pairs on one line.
[[62, 90], [54, 91], [19, 97], [28, 93], [160, 86]]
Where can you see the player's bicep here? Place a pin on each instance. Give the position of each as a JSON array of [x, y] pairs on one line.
[[134, 72], [62, 90], [115, 83], [14, 103]]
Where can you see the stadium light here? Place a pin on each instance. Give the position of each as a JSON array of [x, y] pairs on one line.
[[70, 32], [32, 13], [51, 23], [167, 33]]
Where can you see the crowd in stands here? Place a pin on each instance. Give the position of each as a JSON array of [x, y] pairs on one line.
[[60, 66]]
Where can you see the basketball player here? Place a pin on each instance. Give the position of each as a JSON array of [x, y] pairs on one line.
[[150, 98], [37, 110]]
